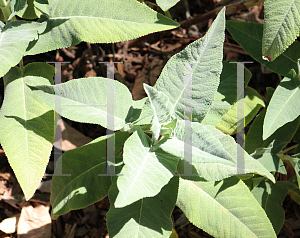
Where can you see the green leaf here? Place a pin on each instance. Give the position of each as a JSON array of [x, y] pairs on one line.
[[165, 5], [144, 172], [213, 153], [27, 125], [201, 61], [71, 21], [270, 197], [281, 26], [148, 217], [252, 103], [223, 209], [14, 39], [226, 94], [84, 100], [249, 36], [16, 7], [162, 109], [295, 163], [284, 106], [85, 186]]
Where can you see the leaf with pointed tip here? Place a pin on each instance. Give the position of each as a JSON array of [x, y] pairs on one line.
[[284, 106], [223, 209], [213, 153], [165, 5], [14, 39], [144, 172], [148, 217], [84, 100], [27, 127], [70, 22], [281, 26]]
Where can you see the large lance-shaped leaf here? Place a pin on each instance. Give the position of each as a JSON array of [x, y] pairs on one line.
[[249, 36], [213, 153], [27, 125], [71, 21], [284, 106], [281, 26], [196, 68], [85, 100], [165, 5], [226, 95], [87, 183], [223, 209], [270, 197], [144, 172], [14, 39], [149, 217], [253, 101]]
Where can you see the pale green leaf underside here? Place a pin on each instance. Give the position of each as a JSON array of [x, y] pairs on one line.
[[198, 66], [281, 26], [27, 125], [213, 153], [148, 217], [165, 5], [85, 186], [14, 39], [85, 100], [105, 21], [144, 172], [224, 209], [253, 101], [284, 106]]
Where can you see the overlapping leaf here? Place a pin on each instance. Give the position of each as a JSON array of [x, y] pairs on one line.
[[87, 182], [223, 209], [27, 125], [85, 100], [281, 26], [71, 21]]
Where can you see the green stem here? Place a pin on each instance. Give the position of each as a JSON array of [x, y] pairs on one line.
[[5, 8], [21, 64], [167, 14], [288, 149]]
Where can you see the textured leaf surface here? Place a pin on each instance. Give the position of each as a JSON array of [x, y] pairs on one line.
[[148, 217], [71, 21], [201, 61], [27, 125], [85, 100], [84, 186], [144, 172], [249, 36], [226, 94], [223, 209], [165, 5], [14, 39], [252, 103], [284, 106], [281, 26], [213, 153], [270, 197]]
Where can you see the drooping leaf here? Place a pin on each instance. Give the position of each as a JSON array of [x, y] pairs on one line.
[[71, 21], [17, 6], [270, 197], [223, 209], [27, 125], [226, 95], [148, 217], [284, 106], [213, 153], [249, 36], [14, 39], [281, 26], [198, 66], [144, 172], [85, 100], [165, 5], [252, 103], [86, 185]]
